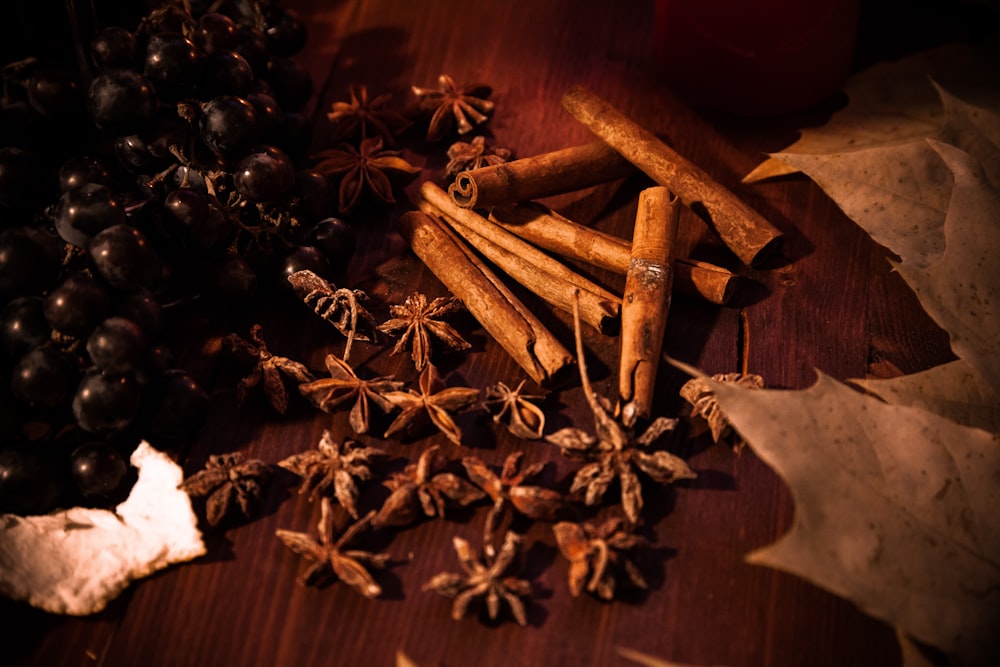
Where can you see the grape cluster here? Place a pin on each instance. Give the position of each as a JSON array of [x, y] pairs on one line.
[[162, 169]]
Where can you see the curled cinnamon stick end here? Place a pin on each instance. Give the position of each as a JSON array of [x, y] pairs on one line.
[[743, 230], [646, 301], [543, 175], [551, 231], [501, 314]]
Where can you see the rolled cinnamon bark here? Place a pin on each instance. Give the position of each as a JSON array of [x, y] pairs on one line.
[[551, 231], [646, 301], [501, 314], [542, 175], [743, 230]]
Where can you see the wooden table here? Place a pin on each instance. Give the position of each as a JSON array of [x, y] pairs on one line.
[[830, 302]]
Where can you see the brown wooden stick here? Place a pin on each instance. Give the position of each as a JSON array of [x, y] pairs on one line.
[[542, 175], [542, 274], [543, 227], [496, 308], [742, 229], [646, 300]]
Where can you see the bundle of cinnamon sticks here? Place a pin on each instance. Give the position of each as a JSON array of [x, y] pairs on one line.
[[525, 239]]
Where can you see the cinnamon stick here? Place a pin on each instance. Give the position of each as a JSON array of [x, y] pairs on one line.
[[542, 175], [646, 301], [743, 230], [540, 273], [543, 227], [497, 309]]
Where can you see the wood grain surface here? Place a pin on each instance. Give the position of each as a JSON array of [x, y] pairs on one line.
[[829, 303]]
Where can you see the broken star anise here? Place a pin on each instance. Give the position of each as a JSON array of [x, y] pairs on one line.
[[514, 408], [340, 307], [332, 468], [452, 106], [615, 452], [329, 557], [366, 169], [598, 555], [424, 488], [344, 385], [268, 369], [419, 320], [705, 406], [229, 481], [362, 117], [486, 579], [475, 154], [434, 401]]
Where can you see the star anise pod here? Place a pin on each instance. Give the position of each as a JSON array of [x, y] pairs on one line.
[[453, 106], [434, 401], [424, 488], [366, 169], [514, 408], [229, 481], [329, 557], [361, 117], [509, 491], [469, 155], [615, 451], [705, 406], [332, 468], [419, 320], [598, 555], [268, 369], [486, 579], [340, 307], [344, 385]]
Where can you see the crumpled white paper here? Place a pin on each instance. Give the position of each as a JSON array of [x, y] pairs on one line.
[[77, 560]]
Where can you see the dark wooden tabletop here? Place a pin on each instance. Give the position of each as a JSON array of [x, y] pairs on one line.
[[829, 302]]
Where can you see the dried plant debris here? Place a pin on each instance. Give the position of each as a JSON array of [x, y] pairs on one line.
[[514, 409], [487, 579], [227, 482], [615, 452], [705, 406], [344, 386], [419, 321], [453, 107], [333, 469], [598, 554], [475, 154], [425, 489], [340, 307], [434, 401], [268, 369], [330, 559], [361, 117], [368, 170]]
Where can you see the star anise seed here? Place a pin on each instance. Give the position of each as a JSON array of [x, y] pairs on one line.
[[598, 555], [705, 406], [268, 369], [514, 408], [332, 469], [469, 155], [434, 401], [340, 307], [362, 117], [344, 385], [419, 320], [229, 481], [366, 169], [453, 106]]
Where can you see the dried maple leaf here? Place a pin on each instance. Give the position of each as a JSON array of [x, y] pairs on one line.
[[229, 481], [340, 307], [453, 106], [425, 488], [469, 155], [362, 117], [615, 452], [268, 369], [698, 392], [344, 385], [514, 408], [329, 557], [366, 169], [598, 555], [332, 468], [434, 401], [419, 320], [487, 579]]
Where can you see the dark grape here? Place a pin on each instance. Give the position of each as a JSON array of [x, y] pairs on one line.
[[286, 32], [228, 125], [180, 406], [29, 484], [312, 195], [124, 257], [83, 169], [290, 83], [171, 64], [264, 175], [121, 101], [141, 307], [116, 345], [269, 115], [86, 210], [30, 260], [215, 32], [224, 73], [23, 325], [232, 279], [76, 305], [198, 217], [303, 258], [44, 377], [113, 47], [335, 238], [54, 93], [99, 471], [105, 403], [252, 45]]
